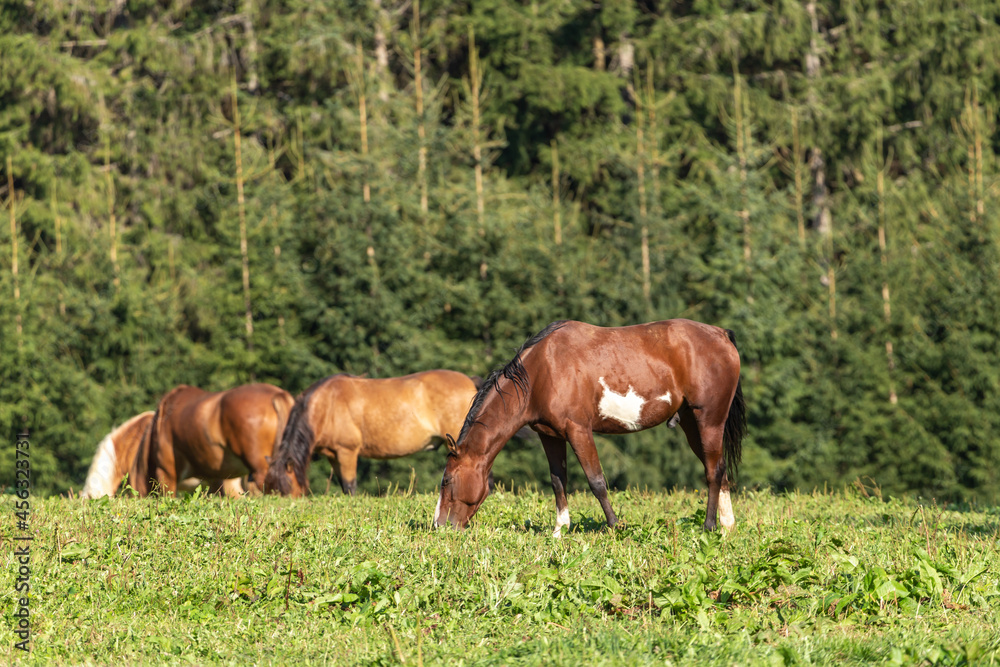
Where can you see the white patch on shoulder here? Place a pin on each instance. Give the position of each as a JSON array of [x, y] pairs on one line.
[[624, 408], [665, 397], [101, 476], [562, 519], [726, 510]]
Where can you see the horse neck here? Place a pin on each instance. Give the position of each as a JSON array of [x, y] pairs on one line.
[[498, 421]]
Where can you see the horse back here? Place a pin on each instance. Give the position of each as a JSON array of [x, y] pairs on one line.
[[248, 417], [388, 417], [623, 379]]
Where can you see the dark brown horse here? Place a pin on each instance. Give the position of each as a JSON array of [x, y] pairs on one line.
[[211, 435], [573, 379], [344, 417]]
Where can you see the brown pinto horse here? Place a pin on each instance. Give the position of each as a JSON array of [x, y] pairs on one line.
[[343, 417], [573, 379], [116, 454], [211, 435]]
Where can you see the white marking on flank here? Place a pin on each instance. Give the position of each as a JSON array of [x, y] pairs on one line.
[[562, 519], [101, 476], [624, 408], [665, 397], [726, 510]]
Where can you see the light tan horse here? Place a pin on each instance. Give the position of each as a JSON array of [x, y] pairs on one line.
[[211, 435], [344, 417], [116, 454]]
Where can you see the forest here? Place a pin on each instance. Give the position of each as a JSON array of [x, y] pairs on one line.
[[215, 193]]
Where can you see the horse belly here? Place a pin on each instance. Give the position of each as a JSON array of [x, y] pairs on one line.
[[392, 449], [217, 462], [627, 410], [392, 434], [232, 466]]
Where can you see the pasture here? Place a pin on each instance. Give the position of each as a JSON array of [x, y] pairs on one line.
[[843, 577]]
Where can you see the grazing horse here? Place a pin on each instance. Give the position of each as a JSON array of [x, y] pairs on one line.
[[573, 379], [212, 435], [343, 417], [116, 453], [115, 456]]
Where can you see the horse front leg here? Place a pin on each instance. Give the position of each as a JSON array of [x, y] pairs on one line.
[[555, 452], [582, 440], [347, 468]]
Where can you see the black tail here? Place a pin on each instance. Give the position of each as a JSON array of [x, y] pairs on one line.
[[736, 427], [296, 446]]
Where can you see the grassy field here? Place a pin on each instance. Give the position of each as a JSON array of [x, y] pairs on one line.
[[845, 577]]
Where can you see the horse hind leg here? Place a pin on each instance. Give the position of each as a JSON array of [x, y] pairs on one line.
[[555, 452], [726, 517], [705, 439]]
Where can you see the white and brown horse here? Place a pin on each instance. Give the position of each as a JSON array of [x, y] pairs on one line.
[[343, 417], [574, 379], [116, 454], [211, 435]]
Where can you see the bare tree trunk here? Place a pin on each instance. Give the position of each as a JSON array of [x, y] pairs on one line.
[[300, 171], [831, 283], [640, 150], [884, 255], [599, 54], [366, 192], [477, 151], [112, 227], [251, 50], [556, 212], [653, 151], [241, 210], [58, 221], [626, 56], [421, 129], [971, 124], [382, 20], [170, 261], [797, 167], [11, 203], [475, 80], [742, 146], [823, 220]]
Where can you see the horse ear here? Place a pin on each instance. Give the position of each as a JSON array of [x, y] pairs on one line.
[[450, 444]]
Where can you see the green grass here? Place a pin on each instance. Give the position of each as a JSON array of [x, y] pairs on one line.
[[822, 578]]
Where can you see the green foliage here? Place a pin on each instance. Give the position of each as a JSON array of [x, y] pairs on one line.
[[745, 109]]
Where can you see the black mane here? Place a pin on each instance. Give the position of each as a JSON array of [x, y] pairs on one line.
[[296, 442], [513, 370]]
